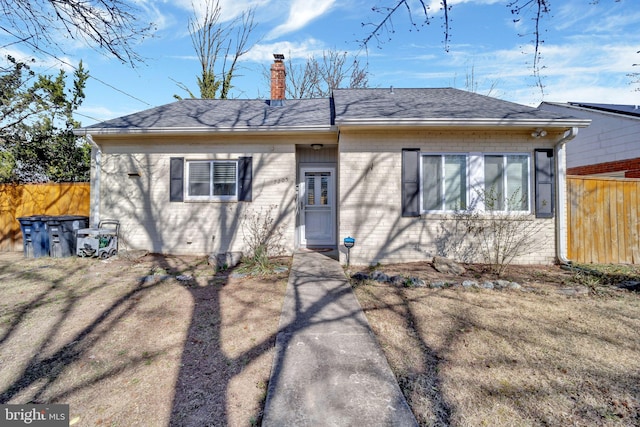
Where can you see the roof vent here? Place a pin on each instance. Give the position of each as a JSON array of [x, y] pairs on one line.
[[391, 89]]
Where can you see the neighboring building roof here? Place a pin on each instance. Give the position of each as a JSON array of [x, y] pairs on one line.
[[631, 110], [369, 107], [223, 114]]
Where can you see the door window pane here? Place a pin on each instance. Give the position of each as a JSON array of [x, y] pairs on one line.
[[324, 188], [311, 188]]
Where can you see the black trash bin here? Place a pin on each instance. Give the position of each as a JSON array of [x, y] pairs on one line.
[[35, 238], [62, 234]]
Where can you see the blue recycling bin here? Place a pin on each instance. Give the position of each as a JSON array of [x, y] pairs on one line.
[[62, 232], [35, 237]]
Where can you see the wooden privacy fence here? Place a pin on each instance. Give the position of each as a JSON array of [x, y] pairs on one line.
[[37, 199], [603, 220]]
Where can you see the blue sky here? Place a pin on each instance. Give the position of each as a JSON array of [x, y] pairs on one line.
[[587, 53]]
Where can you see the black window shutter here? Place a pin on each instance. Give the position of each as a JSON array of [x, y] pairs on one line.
[[544, 184], [176, 183], [410, 182], [245, 176]]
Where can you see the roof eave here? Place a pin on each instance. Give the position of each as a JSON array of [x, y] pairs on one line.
[[201, 130], [468, 123]]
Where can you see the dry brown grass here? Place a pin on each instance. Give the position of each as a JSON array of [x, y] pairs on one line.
[[511, 358], [127, 344]]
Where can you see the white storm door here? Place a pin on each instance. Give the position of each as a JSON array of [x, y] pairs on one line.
[[318, 206]]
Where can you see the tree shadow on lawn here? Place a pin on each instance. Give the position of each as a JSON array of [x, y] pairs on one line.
[[44, 367], [103, 342], [509, 357], [220, 346], [416, 364]]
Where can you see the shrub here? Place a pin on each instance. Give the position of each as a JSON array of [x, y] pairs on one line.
[[263, 236], [497, 237]]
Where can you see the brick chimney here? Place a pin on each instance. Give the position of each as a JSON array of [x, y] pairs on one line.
[[278, 79]]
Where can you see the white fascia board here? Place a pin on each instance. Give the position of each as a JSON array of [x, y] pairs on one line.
[[489, 123], [202, 130]]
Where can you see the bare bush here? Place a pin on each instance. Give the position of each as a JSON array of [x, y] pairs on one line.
[[263, 237], [497, 234]]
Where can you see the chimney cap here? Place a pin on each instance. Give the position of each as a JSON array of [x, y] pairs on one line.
[[278, 56]]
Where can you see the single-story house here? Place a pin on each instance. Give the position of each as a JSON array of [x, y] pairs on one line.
[[609, 146], [386, 166]]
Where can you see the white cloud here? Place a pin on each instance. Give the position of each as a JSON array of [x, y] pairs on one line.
[[263, 53], [229, 9], [301, 13], [582, 68], [153, 14], [42, 65], [591, 93]]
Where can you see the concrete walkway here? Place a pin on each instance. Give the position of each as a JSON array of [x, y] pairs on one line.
[[328, 369]]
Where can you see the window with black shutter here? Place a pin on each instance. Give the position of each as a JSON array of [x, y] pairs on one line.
[[544, 183], [410, 182], [176, 183]]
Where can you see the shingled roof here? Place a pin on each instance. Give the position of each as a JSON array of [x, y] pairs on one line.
[[225, 114], [394, 104], [381, 107]]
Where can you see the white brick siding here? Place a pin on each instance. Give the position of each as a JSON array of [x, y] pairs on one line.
[[370, 193], [149, 221]]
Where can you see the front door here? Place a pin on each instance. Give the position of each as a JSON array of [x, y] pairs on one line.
[[317, 207]]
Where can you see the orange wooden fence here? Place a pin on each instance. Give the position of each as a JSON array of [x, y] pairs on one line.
[[603, 220], [37, 199]]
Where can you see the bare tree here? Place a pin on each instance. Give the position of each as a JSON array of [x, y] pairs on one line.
[[334, 70], [302, 80], [219, 46], [383, 28], [110, 26], [635, 77], [316, 78], [472, 84]]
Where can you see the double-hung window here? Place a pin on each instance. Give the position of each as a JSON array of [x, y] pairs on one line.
[[506, 182], [212, 179], [444, 182], [489, 182]]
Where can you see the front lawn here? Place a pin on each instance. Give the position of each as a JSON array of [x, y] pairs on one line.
[[153, 341], [538, 355]]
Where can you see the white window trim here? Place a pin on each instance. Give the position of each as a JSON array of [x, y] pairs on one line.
[[210, 197], [475, 180]]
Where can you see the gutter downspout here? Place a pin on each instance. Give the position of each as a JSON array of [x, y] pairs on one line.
[[561, 196], [96, 159]]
